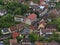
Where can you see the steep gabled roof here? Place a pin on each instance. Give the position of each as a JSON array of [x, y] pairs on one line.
[[13, 28], [15, 34], [32, 16]]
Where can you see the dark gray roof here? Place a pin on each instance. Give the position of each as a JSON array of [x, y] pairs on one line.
[[26, 40], [51, 26], [5, 30]]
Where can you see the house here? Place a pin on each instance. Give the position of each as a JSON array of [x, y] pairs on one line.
[[34, 8], [52, 27], [53, 14], [1, 43], [40, 43], [20, 26], [52, 5], [34, 25], [53, 43], [15, 34], [54, 11], [2, 12], [5, 31], [46, 0], [27, 14], [46, 31], [13, 42], [32, 3], [49, 43], [56, 0], [57, 32], [43, 10], [26, 41], [18, 18], [42, 2], [13, 29], [42, 7], [31, 18], [26, 31], [4, 36], [38, 8], [33, 28], [42, 24]]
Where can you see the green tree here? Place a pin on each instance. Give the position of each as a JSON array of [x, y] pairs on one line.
[[7, 18], [57, 22], [6, 42], [41, 38], [37, 1], [10, 6], [33, 37], [1, 2], [0, 33], [19, 38], [58, 5], [54, 37], [24, 8], [52, 16], [17, 11], [6, 21]]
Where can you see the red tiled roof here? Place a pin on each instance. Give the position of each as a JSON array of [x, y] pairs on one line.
[[32, 16], [19, 26], [15, 34], [41, 1], [39, 43], [33, 27], [13, 28], [45, 5]]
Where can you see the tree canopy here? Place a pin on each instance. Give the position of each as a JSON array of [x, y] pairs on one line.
[[7, 21], [33, 37]]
